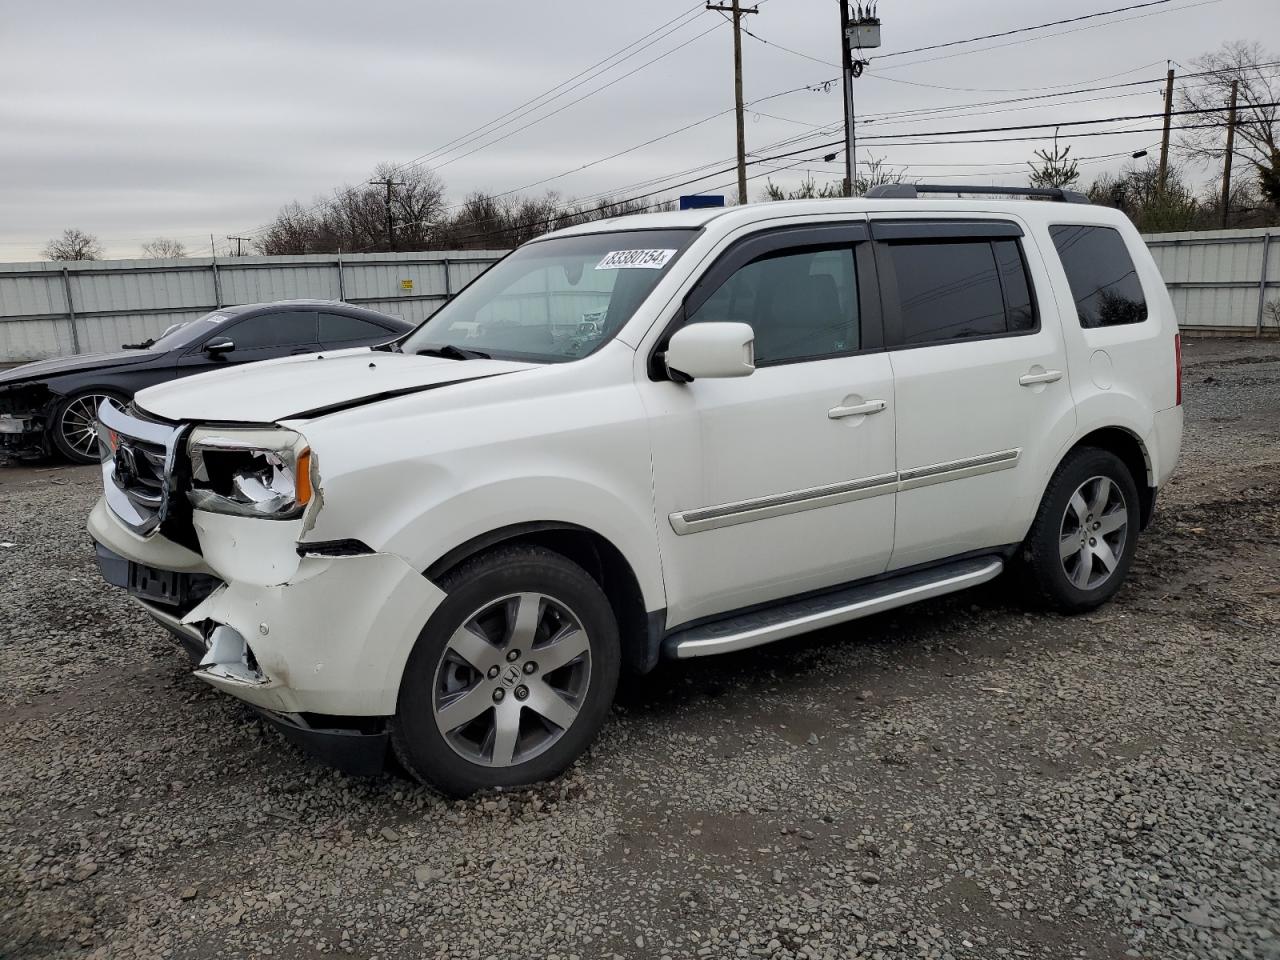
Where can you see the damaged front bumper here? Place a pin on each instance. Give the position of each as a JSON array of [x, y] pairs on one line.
[[317, 644], [24, 415]]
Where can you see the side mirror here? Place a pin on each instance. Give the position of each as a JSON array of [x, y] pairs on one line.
[[219, 345], [711, 350]]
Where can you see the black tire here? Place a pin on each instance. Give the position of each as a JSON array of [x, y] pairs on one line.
[[66, 429], [480, 584], [1054, 581]]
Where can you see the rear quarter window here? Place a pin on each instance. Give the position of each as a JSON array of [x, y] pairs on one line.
[[337, 327], [1104, 282]]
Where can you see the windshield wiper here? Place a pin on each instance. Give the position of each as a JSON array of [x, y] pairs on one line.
[[451, 352], [144, 345]]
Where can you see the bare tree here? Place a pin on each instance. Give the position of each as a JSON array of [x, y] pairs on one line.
[[809, 189], [163, 248], [1257, 125], [874, 174], [1152, 206], [417, 205], [74, 245], [354, 219], [1056, 169]]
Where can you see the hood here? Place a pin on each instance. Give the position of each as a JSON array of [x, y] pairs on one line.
[[309, 386], [43, 369]]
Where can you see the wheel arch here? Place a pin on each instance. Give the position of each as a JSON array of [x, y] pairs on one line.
[[640, 630], [1128, 446]]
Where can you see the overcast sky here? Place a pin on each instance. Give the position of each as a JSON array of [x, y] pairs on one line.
[[133, 120]]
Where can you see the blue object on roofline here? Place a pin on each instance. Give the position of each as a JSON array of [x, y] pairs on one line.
[[700, 201]]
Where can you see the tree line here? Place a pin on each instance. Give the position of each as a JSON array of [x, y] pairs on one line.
[[413, 213]]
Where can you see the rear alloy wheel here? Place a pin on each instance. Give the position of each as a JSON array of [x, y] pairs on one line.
[[512, 677], [1095, 527], [1083, 539], [75, 426]]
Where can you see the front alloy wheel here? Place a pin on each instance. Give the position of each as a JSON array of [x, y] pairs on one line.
[[511, 678]]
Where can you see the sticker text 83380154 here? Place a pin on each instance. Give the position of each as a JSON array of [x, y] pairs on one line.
[[635, 259]]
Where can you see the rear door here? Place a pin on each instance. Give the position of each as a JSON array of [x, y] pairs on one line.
[[980, 379]]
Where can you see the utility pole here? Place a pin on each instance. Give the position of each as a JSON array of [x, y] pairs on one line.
[[1164, 139], [738, 12], [846, 63], [863, 33], [240, 241], [391, 230], [1231, 142]]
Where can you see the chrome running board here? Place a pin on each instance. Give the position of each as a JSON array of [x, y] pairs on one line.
[[813, 613]]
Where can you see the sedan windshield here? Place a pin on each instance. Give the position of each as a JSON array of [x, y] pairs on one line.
[[184, 334], [552, 300]]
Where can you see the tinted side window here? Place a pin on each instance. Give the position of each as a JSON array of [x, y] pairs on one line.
[[1104, 283], [948, 291], [334, 328], [1019, 305], [801, 304], [294, 328]]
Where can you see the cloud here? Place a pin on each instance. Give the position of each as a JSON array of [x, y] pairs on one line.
[[139, 119]]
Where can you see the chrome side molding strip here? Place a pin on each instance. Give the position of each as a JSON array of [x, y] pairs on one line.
[[811, 498], [827, 611], [958, 469], [777, 505]]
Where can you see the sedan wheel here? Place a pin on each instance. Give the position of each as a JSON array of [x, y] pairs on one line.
[[75, 428]]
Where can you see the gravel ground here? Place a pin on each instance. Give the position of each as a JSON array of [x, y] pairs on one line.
[[961, 779]]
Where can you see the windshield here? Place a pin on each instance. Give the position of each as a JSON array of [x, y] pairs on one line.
[[184, 334], [553, 300]]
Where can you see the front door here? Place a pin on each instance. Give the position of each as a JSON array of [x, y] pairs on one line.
[[781, 482], [980, 378], [262, 336]]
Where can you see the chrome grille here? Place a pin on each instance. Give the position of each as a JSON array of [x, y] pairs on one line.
[[137, 466]]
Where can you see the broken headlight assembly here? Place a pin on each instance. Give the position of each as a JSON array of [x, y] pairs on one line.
[[267, 472]]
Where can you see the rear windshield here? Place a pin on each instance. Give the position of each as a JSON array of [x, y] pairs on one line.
[[554, 300]]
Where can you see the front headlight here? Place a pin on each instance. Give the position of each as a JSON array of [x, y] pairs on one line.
[[265, 472]]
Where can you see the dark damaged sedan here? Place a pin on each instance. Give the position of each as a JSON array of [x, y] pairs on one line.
[[52, 404]]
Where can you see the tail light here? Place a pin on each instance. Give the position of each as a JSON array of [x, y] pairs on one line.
[[1177, 359]]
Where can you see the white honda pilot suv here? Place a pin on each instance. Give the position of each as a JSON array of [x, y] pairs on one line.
[[668, 435]]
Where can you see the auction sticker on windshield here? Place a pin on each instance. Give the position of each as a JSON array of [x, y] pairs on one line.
[[635, 259]]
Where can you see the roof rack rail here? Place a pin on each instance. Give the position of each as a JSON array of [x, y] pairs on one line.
[[909, 191]]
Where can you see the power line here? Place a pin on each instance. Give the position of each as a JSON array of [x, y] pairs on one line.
[[483, 128], [1060, 33], [543, 99], [1064, 123], [646, 143], [568, 211], [1009, 33], [572, 103]]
